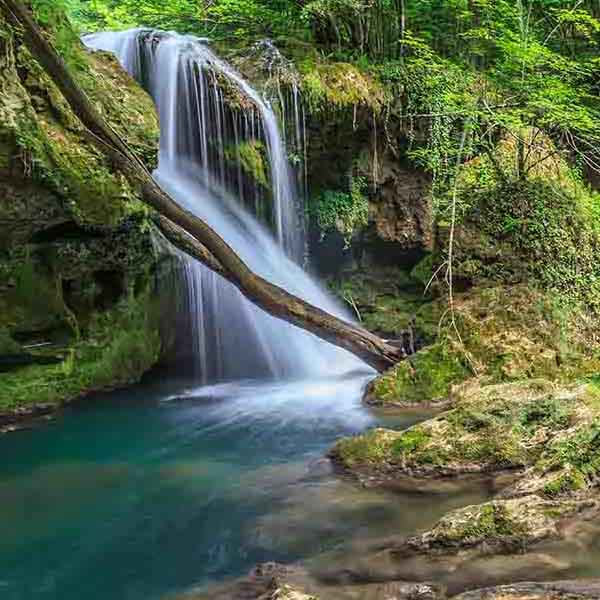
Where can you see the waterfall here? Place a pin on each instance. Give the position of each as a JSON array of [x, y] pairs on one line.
[[201, 167]]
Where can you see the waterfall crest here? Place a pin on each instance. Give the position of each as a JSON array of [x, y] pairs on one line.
[[201, 167]]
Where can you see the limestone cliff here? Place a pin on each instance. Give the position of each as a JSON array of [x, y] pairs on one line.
[[77, 253]]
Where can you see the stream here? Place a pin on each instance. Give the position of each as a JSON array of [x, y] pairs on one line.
[[141, 493]]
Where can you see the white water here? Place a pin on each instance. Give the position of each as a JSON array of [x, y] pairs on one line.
[[232, 338]]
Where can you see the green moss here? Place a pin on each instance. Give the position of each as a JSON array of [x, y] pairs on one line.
[[426, 376], [492, 521], [578, 451], [548, 412], [32, 300], [393, 315], [52, 144], [494, 427], [415, 445], [52, 16], [412, 440], [566, 481], [423, 271], [338, 86], [385, 298], [116, 349], [98, 196], [251, 158], [369, 448], [7, 344], [507, 333]]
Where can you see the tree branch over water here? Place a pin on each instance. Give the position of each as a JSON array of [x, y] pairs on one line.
[[189, 233]]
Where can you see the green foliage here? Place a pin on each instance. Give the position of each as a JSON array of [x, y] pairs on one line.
[[52, 16], [217, 18], [342, 211]]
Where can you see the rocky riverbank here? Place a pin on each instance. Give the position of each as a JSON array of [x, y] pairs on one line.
[[271, 581]]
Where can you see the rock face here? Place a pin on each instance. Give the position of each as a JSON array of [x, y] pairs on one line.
[[400, 207], [400, 231], [77, 251]]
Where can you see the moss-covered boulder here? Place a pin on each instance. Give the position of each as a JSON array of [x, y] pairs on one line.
[[500, 334], [505, 524], [540, 227]]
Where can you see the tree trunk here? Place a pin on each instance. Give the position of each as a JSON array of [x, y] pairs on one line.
[[183, 228]]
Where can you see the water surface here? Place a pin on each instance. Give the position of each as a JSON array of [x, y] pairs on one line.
[[144, 492]]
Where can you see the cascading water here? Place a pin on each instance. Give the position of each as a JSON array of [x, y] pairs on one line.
[[200, 166]]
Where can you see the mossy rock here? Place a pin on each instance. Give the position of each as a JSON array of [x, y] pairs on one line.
[[71, 224], [338, 85], [31, 299], [489, 429], [116, 349], [252, 159], [512, 523], [48, 144], [501, 333], [423, 379], [543, 228]]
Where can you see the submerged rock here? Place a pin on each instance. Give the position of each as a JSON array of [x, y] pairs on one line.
[[272, 581], [561, 590]]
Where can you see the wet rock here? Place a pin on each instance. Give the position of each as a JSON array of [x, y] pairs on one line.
[[400, 208], [24, 417], [490, 429], [272, 581], [562, 590]]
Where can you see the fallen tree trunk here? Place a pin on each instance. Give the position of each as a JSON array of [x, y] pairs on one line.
[[185, 230]]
